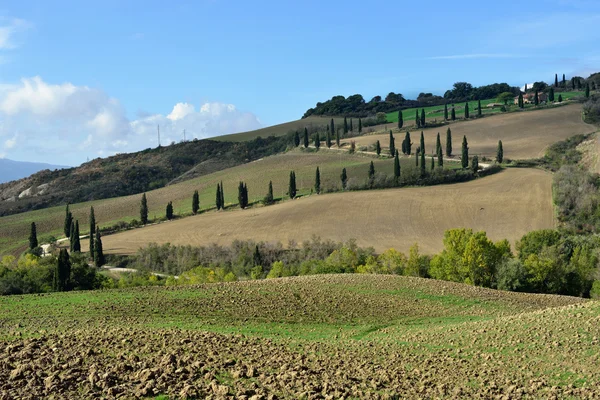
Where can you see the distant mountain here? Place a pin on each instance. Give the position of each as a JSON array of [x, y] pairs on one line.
[[12, 170]]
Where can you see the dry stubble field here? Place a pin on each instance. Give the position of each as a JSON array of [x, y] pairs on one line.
[[524, 134], [333, 336], [505, 205]]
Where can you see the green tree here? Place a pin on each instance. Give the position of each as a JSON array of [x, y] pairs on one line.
[[76, 239], [449, 143], [467, 110], [465, 153], [269, 197], [345, 126], [505, 97], [331, 126], [536, 99], [305, 137], [417, 157], [371, 170], [440, 156], [479, 108], [344, 178], [72, 237], [564, 81], [417, 119], [475, 164], [68, 222], [351, 126], [438, 144], [422, 163], [337, 139], [525, 90], [587, 90], [551, 94], [397, 168], [422, 117], [222, 196], [92, 231], [521, 103], [169, 211], [499, 152], [407, 144], [560, 98], [33, 241], [99, 259], [144, 210], [378, 147], [555, 80], [432, 163], [242, 195], [392, 144], [62, 272], [453, 114], [296, 139], [318, 181], [328, 140], [292, 185], [195, 202], [422, 144], [218, 198], [317, 141], [445, 112], [359, 125], [400, 119]]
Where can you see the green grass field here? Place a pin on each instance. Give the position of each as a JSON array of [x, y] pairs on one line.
[[351, 336]]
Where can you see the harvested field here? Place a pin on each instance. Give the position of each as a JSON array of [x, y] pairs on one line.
[[358, 336], [505, 205], [524, 134]]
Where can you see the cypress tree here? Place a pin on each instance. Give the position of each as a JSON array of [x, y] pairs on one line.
[[400, 119], [241, 197], [438, 144], [440, 157], [72, 237], [392, 144], [422, 163], [169, 211], [525, 88], [62, 272], [378, 147], [453, 114], [408, 144], [422, 117], [432, 163], [417, 119], [331, 126], [269, 197], [397, 168], [578, 84], [417, 157], [318, 181], [195, 202], [371, 170], [587, 90], [467, 110], [449, 143], [555, 80], [359, 125], [317, 141], [422, 144], [144, 210], [33, 241], [445, 112], [465, 153], [76, 239], [296, 139], [521, 103], [99, 253], [564, 82], [344, 178], [475, 164], [536, 98], [351, 126], [551, 94], [479, 108], [404, 146], [328, 141], [218, 197], [337, 139], [560, 98], [292, 185], [345, 126], [68, 222], [499, 152], [222, 197], [92, 231], [573, 83], [305, 137]]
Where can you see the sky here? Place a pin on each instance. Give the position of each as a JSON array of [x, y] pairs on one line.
[[86, 79]]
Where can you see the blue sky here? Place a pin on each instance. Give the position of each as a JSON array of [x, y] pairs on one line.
[[82, 79]]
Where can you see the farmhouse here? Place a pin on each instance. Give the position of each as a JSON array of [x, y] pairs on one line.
[[529, 98]]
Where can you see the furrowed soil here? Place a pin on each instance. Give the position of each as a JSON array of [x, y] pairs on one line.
[[524, 135], [505, 205], [330, 336]]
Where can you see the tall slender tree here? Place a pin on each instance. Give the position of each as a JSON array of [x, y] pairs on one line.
[[144, 210], [68, 222], [499, 152], [422, 117], [222, 196], [33, 241], [536, 99], [378, 147], [218, 197], [292, 185], [440, 156], [465, 153], [564, 81], [242, 195], [76, 239], [99, 259], [432, 163], [359, 125], [400, 119], [396, 168], [195, 202], [62, 273], [479, 108], [318, 181], [556, 80], [328, 140], [438, 144], [422, 144], [344, 178], [92, 231], [72, 237], [169, 211], [449, 143], [371, 170], [525, 88], [345, 126], [475, 164], [337, 139], [407, 144], [423, 171], [317, 141], [551, 94], [445, 111], [521, 102], [351, 126], [467, 110], [417, 119], [269, 197], [296, 139], [587, 90], [305, 137], [392, 144], [453, 114], [417, 153], [331, 126]]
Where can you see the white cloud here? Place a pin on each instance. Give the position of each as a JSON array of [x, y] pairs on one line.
[[64, 123], [9, 28]]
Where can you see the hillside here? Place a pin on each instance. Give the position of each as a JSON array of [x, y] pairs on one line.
[[11, 170], [383, 219], [363, 336]]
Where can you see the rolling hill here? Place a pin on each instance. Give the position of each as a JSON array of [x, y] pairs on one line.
[[11, 170]]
